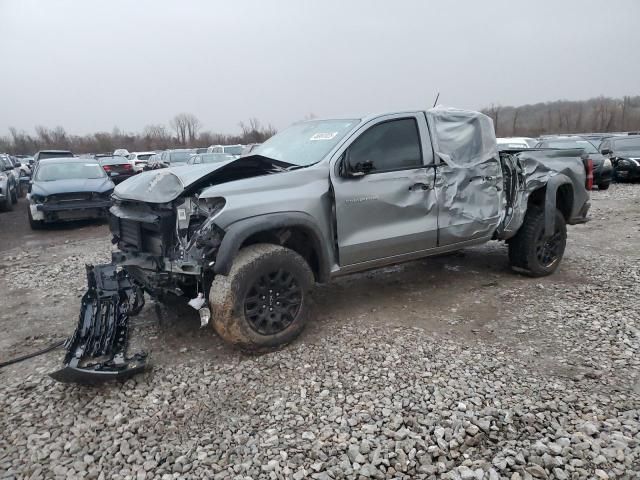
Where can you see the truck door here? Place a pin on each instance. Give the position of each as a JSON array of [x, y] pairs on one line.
[[383, 185], [469, 201]]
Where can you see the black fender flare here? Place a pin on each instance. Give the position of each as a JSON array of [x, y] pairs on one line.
[[238, 232], [550, 201]]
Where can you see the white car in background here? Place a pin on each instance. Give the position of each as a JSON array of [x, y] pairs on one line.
[[515, 143], [121, 152], [235, 150], [139, 160]]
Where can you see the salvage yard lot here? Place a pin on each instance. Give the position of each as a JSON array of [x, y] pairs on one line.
[[452, 366]]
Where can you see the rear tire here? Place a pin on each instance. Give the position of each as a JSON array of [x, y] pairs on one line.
[[530, 253], [604, 186], [264, 301]]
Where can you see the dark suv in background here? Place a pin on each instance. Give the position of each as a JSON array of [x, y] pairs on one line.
[[602, 167], [624, 153]]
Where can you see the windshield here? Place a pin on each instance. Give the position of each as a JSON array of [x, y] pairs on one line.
[[233, 150], [627, 144], [179, 157], [585, 144], [305, 143], [44, 155], [69, 170], [216, 157]]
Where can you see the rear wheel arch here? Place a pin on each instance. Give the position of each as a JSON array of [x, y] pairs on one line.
[[564, 200], [557, 194]]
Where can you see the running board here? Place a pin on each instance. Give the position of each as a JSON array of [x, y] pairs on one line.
[[97, 350]]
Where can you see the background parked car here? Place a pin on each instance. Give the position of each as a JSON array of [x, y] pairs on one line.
[[235, 150], [25, 160], [247, 149], [602, 167], [68, 189], [118, 168], [201, 158], [624, 153], [121, 152], [170, 158], [17, 172], [8, 184], [514, 143], [26, 164], [139, 160], [42, 154]]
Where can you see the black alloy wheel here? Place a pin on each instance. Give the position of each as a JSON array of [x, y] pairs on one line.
[[273, 302], [549, 251]]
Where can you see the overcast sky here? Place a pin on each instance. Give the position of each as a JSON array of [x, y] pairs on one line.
[[91, 65]]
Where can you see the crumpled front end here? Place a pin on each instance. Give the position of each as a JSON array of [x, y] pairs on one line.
[[167, 248]]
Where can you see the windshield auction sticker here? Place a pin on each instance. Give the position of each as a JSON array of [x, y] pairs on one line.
[[323, 136]]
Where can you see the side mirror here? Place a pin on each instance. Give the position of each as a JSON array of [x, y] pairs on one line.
[[606, 151], [18, 164], [360, 169]]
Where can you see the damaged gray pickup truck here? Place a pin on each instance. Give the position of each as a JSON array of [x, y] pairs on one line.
[[245, 239]]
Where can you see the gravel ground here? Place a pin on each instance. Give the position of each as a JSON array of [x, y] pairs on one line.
[[445, 368]]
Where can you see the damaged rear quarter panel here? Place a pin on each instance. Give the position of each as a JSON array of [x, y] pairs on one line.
[[534, 170]]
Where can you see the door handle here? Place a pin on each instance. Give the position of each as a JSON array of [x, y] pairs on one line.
[[419, 186]]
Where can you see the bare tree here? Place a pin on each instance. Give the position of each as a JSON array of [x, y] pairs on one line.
[[494, 112], [254, 132], [193, 126], [186, 126], [179, 124]]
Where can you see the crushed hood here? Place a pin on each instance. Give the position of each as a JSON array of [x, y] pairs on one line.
[[167, 184]]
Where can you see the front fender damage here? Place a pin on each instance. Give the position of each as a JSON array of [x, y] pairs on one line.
[[96, 352]]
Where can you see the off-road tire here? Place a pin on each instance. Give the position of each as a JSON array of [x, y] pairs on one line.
[[34, 224], [604, 186], [229, 297], [526, 246]]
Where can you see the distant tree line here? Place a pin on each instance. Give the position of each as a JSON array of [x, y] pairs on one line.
[[602, 114], [185, 131]]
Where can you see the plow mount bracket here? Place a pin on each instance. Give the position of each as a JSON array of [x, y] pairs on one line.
[[96, 352]]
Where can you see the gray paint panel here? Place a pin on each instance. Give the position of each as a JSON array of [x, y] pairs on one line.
[[381, 215], [470, 201]]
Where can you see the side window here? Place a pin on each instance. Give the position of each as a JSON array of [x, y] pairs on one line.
[[605, 145], [392, 145]]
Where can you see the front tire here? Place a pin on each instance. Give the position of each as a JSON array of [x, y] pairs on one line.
[[264, 301], [14, 195], [604, 186], [532, 254]]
